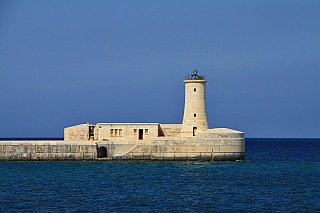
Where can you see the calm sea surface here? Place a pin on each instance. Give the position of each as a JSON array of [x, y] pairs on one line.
[[279, 175]]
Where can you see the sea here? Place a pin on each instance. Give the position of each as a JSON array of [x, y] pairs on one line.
[[278, 175]]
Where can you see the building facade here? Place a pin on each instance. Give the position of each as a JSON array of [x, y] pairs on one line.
[[191, 140]]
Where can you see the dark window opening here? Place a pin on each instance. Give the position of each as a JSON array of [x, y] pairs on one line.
[[102, 152], [91, 132], [194, 115], [195, 89], [140, 134], [194, 131], [160, 132]]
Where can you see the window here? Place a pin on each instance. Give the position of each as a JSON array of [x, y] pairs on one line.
[[135, 131], [146, 131], [194, 115], [195, 90], [115, 132]]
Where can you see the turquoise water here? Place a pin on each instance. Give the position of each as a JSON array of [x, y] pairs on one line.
[[279, 175]]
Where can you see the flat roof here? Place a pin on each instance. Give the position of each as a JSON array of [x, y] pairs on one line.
[[127, 123], [222, 130]]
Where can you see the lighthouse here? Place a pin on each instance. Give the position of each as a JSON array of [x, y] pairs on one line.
[[191, 140], [195, 119]]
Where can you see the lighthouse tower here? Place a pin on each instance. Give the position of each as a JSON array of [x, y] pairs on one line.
[[195, 119]]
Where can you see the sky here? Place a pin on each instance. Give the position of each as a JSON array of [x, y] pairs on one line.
[[64, 63]]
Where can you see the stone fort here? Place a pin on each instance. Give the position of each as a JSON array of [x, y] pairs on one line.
[[191, 140]]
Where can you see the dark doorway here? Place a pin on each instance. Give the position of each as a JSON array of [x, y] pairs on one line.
[[194, 131], [140, 134], [91, 132], [102, 152]]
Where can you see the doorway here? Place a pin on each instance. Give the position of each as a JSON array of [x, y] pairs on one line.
[[102, 152], [140, 134], [194, 131], [91, 132]]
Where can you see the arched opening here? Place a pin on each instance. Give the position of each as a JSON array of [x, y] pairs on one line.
[[194, 131], [102, 152]]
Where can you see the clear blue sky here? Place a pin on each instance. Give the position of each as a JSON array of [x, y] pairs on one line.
[[64, 63]]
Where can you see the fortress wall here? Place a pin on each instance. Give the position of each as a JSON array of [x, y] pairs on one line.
[[177, 153], [160, 148], [170, 130], [79, 132], [47, 151], [227, 149], [223, 135]]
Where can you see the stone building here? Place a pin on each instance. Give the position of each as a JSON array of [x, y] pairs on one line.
[[191, 140]]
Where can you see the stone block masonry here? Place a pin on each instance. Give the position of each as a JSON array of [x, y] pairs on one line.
[[191, 140], [47, 151], [226, 148]]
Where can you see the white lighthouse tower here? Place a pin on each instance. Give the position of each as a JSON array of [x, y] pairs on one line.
[[195, 119]]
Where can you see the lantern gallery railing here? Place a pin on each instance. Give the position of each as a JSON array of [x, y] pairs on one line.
[[195, 76]]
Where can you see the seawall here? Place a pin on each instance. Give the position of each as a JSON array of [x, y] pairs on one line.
[[47, 151], [169, 149], [173, 149]]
